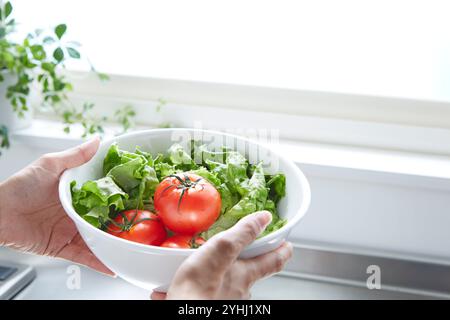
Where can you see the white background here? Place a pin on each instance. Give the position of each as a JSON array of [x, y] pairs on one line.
[[393, 48]]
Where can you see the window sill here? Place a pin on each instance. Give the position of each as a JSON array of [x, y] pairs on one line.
[[299, 115], [321, 159]]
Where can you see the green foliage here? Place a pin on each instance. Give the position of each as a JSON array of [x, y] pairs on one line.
[[161, 103], [36, 62], [4, 138], [125, 116], [90, 124]]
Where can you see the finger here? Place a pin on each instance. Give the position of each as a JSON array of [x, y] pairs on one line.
[[222, 250], [78, 252], [71, 158], [269, 263], [80, 154], [246, 230], [158, 295]]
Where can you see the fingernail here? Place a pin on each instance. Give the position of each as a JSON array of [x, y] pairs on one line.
[[264, 217], [95, 138], [286, 250], [91, 141]]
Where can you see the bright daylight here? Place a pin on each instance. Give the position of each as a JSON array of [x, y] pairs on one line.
[[257, 151]]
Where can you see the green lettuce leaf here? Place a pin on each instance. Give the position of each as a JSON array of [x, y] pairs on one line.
[[112, 158], [208, 175], [180, 158], [277, 187], [96, 199], [254, 200], [132, 177], [233, 172], [128, 175]]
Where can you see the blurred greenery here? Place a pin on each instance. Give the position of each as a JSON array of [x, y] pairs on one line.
[[35, 63]]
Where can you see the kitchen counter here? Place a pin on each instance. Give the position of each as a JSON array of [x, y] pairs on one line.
[[52, 275]]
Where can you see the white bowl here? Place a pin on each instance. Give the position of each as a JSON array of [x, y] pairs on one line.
[[153, 267]]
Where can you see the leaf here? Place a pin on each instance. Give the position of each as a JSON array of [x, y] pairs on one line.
[[60, 30], [276, 224], [48, 40], [97, 215], [180, 158], [277, 187], [229, 199], [38, 52], [253, 201], [8, 9], [103, 76], [58, 54], [4, 135], [164, 169], [133, 173], [74, 43], [96, 198], [209, 176], [233, 172], [127, 175], [223, 223], [141, 195], [112, 159], [73, 53], [38, 32], [48, 66]]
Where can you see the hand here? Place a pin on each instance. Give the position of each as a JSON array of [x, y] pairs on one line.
[[31, 216], [214, 271]]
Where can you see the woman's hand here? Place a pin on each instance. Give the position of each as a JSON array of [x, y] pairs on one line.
[[214, 271], [31, 216]]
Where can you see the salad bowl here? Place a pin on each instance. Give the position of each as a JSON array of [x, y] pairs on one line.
[[153, 267]]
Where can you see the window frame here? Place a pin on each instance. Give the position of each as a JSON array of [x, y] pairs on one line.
[[302, 116]]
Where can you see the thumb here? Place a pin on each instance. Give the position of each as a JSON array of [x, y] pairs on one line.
[[74, 157]]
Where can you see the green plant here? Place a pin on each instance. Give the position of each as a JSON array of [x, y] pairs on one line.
[[35, 64], [125, 117], [90, 124], [4, 138], [34, 61]]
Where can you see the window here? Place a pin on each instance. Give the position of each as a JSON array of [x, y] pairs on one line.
[[374, 74], [388, 48]]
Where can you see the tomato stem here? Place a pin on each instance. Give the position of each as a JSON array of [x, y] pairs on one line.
[[185, 185]]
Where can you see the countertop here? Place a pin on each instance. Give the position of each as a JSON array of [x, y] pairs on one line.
[[52, 275]]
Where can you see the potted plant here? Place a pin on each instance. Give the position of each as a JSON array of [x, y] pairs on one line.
[[30, 75]]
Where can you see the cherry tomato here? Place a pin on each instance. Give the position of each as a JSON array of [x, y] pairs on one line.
[[187, 203], [183, 242], [139, 226]]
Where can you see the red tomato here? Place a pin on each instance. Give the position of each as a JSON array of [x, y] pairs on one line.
[[139, 226], [183, 242], [187, 203]]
